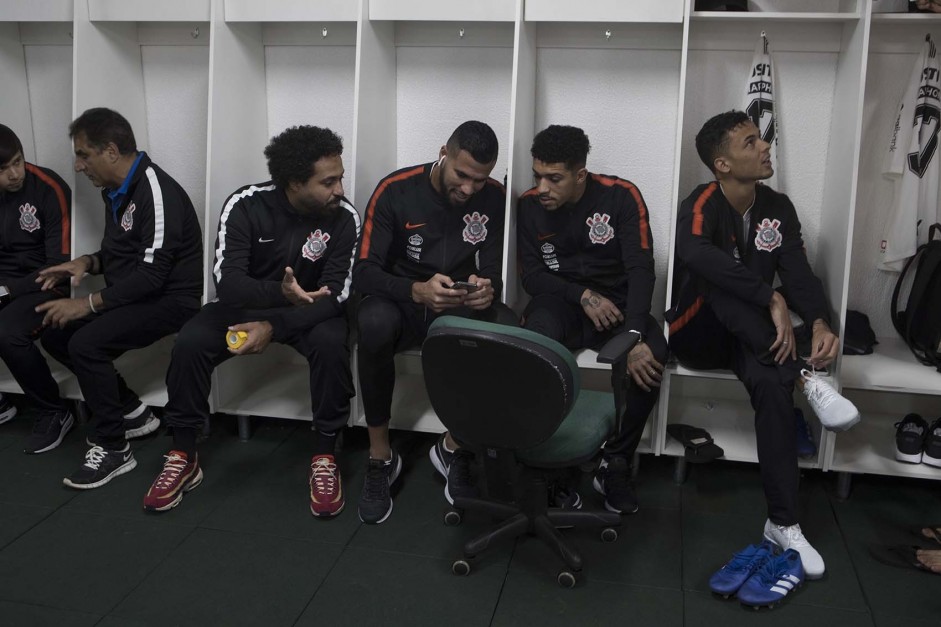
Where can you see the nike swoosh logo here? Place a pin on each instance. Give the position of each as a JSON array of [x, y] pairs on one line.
[[544, 237], [409, 226], [261, 240]]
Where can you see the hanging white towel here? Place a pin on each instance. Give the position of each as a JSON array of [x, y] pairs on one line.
[[759, 104]]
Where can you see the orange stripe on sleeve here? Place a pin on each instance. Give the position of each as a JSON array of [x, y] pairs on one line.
[[698, 205], [641, 207], [371, 209], [688, 315], [530, 192], [63, 206]]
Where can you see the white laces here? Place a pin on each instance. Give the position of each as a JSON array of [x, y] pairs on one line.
[[794, 535], [818, 391], [324, 473], [171, 470], [94, 457]]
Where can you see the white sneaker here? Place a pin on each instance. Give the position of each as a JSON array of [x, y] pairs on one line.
[[793, 538], [836, 412]]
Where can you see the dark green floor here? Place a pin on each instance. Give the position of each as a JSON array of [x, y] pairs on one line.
[[243, 548]]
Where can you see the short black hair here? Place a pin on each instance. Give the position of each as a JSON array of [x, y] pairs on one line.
[[103, 126], [10, 144], [561, 144], [292, 154], [713, 138], [476, 138]]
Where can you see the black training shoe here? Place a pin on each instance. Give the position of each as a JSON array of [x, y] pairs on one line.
[[375, 503], [613, 480], [101, 466], [440, 457], [932, 454], [138, 427], [910, 438], [7, 410], [460, 476], [48, 431]]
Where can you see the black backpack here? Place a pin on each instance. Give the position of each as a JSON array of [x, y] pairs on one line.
[[920, 323]]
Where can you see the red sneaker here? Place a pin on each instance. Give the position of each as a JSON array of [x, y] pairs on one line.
[[179, 475], [326, 492]]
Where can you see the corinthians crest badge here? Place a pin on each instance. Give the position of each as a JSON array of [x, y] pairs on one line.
[[315, 246], [127, 220], [475, 231], [768, 237], [28, 220], [599, 231]]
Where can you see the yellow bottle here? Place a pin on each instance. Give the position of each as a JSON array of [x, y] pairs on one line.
[[235, 339]]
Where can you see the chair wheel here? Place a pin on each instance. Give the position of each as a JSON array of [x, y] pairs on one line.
[[609, 534], [566, 579], [461, 568], [452, 518]]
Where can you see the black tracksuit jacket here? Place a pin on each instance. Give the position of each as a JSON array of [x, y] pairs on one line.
[[260, 233], [35, 229]]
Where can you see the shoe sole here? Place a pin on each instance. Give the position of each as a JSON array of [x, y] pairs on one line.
[[128, 466], [327, 514], [62, 432], [806, 574], [148, 427], [908, 458], [395, 475], [8, 415], [931, 461], [192, 484], [607, 505], [843, 426]]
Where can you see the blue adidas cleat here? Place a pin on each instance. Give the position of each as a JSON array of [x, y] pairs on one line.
[[777, 577], [727, 580]]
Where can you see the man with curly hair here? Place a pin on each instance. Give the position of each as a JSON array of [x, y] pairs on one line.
[[282, 271], [427, 227], [586, 254]]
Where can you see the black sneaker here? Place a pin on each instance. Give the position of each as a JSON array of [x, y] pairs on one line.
[[7, 410], [101, 466], [375, 503], [932, 454], [910, 438], [457, 468], [613, 480], [48, 431], [565, 498], [138, 427]]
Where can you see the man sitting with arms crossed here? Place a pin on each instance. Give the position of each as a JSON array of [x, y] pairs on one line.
[[36, 209], [284, 254], [586, 255], [733, 236], [151, 257], [426, 227]]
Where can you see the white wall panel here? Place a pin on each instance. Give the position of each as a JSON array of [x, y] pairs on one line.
[[49, 73], [438, 88], [312, 85], [176, 90], [627, 105]]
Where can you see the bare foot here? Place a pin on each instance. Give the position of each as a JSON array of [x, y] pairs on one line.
[[930, 558]]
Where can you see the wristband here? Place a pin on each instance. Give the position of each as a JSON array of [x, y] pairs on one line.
[[640, 336], [91, 304]]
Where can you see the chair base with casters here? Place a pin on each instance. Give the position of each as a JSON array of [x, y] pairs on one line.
[[510, 391]]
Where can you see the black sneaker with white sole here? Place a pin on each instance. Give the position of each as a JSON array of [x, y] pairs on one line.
[[142, 425], [457, 468], [613, 480], [375, 503], [101, 466], [910, 434], [932, 454], [7, 410], [49, 429]]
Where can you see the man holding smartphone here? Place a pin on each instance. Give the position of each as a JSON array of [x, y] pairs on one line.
[[35, 217], [431, 233], [586, 254]]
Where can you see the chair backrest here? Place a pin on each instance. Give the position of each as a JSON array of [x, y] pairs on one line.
[[497, 386]]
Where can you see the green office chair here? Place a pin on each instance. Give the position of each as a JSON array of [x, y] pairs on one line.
[[508, 392]]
